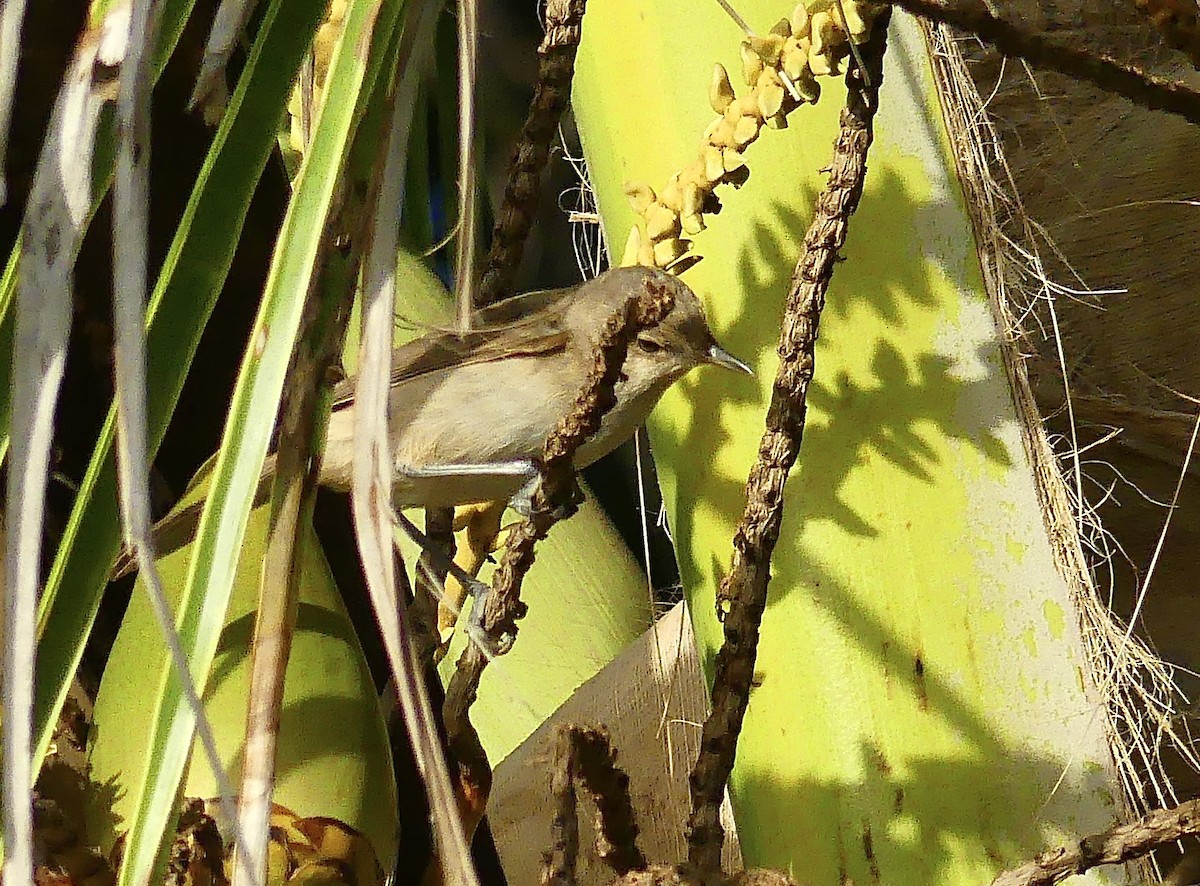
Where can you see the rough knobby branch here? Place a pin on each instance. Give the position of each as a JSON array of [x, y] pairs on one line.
[[1114, 846], [503, 607], [608, 785], [556, 68], [743, 593], [558, 866], [430, 578], [586, 753]]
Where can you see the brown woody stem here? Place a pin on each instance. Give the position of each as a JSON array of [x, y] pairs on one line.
[[1122, 843], [743, 594], [503, 607], [586, 753], [556, 69]]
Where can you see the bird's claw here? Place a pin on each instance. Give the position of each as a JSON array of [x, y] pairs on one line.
[[523, 501], [491, 646]]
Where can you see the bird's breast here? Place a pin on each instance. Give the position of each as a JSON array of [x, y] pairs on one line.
[[482, 414]]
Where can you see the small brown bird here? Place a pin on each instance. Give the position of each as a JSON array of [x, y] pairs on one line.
[[470, 412]]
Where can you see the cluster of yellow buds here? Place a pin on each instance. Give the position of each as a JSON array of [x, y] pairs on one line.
[[317, 850], [322, 49], [780, 68]]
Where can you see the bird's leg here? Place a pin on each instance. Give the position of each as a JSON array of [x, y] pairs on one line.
[[482, 525], [437, 555], [473, 585], [463, 584], [520, 467]]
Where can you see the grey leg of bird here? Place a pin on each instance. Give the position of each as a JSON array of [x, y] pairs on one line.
[[474, 623], [522, 467], [474, 585], [522, 502], [479, 590]]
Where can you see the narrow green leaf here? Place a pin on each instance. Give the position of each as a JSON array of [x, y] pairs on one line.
[[188, 286], [356, 61]]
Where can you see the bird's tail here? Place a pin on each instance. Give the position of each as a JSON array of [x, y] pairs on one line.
[[178, 528]]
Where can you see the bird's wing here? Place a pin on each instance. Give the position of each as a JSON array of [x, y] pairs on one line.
[[443, 350], [518, 308]]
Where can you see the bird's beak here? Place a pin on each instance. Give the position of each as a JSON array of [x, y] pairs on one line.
[[718, 356]]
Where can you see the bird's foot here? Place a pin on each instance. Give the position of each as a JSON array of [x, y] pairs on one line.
[[523, 501]]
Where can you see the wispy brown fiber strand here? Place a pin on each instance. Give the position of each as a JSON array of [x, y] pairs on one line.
[[556, 69], [1179, 23], [742, 597], [502, 607], [1147, 90], [1114, 846]]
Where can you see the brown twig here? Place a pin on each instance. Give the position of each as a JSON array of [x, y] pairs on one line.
[[1179, 23], [558, 867], [1116, 845], [616, 827], [586, 753], [503, 607], [1148, 90], [556, 68], [303, 414], [743, 593]]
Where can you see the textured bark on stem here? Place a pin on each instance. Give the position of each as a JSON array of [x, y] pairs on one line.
[[1122, 843], [742, 597], [503, 607], [556, 69]]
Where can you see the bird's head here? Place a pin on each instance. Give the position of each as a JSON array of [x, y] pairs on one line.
[[664, 353]]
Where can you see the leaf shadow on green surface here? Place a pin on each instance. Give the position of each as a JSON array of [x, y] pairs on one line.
[[911, 810], [908, 828], [235, 642], [911, 401], [981, 798], [913, 814]]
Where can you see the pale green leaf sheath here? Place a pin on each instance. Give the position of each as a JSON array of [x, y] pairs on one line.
[[921, 681]]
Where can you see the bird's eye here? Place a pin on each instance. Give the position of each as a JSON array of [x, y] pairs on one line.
[[649, 346]]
